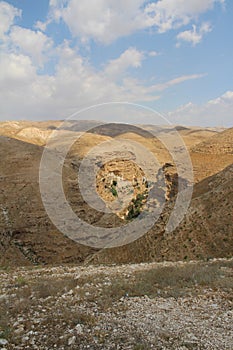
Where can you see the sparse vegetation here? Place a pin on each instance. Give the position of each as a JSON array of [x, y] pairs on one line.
[[171, 281], [20, 282], [136, 205], [66, 302], [114, 191]]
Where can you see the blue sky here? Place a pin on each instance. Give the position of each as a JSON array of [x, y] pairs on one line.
[[59, 56]]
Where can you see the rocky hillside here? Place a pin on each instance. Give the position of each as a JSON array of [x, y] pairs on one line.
[[220, 143], [29, 237], [212, 155], [205, 232], [31, 132], [157, 306]]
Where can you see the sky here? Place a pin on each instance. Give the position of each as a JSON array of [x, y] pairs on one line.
[[173, 56]]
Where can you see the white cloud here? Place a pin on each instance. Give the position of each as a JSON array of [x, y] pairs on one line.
[[16, 69], [129, 58], [21, 42], [107, 20], [104, 21], [169, 14], [8, 14], [218, 111], [154, 53], [20, 96], [28, 94], [178, 80], [32, 43], [41, 25], [226, 99], [195, 35]]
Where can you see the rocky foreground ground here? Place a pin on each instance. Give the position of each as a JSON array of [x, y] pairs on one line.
[[184, 305]]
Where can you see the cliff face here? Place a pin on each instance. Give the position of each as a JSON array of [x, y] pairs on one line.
[[205, 232]]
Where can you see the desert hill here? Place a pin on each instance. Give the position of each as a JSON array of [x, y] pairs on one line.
[[204, 163], [205, 232], [29, 237], [190, 135], [212, 155], [38, 132], [31, 132], [27, 234], [220, 143]]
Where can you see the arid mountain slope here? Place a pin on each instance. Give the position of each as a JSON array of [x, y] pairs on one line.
[[205, 232], [212, 155], [27, 235], [193, 136], [32, 132], [204, 163], [220, 143]]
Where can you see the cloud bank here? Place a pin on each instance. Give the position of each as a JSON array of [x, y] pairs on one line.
[[217, 112], [30, 90], [108, 20]]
